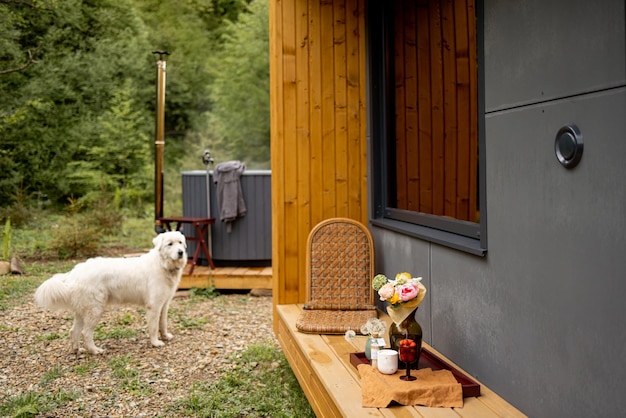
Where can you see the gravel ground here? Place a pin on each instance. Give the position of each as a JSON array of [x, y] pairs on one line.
[[34, 354]]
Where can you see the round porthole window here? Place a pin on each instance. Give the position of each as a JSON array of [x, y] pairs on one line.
[[568, 146]]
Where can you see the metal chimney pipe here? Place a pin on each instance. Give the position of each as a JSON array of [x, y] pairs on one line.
[[159, 143]]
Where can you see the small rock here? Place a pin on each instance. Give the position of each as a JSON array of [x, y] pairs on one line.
[[261, 292], [16, 266]]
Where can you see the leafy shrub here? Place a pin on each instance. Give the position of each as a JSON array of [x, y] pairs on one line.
[[76, 238], [19, 213], [78, 235]]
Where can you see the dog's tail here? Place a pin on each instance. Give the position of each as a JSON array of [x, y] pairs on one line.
[[54, 294]]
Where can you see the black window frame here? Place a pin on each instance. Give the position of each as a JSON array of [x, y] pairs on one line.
[[461, 235]]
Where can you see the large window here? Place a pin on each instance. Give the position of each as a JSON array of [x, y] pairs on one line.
[[424, 122]]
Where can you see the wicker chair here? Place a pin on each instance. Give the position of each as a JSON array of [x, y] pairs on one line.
[[339, 271]]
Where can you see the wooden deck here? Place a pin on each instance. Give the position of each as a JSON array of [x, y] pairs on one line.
[[332, 385], [227, 278]]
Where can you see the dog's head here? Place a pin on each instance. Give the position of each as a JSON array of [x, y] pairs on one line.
[[172, 248]]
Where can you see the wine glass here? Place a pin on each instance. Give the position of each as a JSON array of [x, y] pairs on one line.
[[408, 354]]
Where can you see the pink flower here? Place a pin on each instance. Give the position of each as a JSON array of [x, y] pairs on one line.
[[386, 291], [408, 291]]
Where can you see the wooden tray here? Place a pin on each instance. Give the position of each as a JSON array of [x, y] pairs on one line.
[[429, 360]]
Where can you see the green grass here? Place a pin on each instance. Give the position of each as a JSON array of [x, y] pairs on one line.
[[203, 293], [13, 288], [190, 323], [84, 368], [125, 319], [30, 404], [51, 375], [103, 332], [117, 328], [180, 315], [49, 336], [261, 385], [124, 369]]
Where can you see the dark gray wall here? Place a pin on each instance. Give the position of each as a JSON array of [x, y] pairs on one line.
[[251, 237], [539, 319]]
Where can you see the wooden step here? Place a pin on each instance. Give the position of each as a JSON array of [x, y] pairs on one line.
[[227, 278], [332, 384]]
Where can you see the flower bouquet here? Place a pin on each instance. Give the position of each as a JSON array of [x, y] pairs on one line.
[[404, 294]]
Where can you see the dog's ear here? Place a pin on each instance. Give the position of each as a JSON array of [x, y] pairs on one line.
[[184, 240], [157, 241]]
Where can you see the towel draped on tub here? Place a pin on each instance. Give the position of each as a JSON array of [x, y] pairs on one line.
[[229, 193]]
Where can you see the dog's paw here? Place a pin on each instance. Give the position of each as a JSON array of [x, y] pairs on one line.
[[157, 343], [96, 350], [168, 336]]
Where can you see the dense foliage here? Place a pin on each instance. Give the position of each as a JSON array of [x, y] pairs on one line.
[[77, 81], [240, 93]]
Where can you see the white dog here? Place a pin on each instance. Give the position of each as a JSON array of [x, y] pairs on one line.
[[149, 280]]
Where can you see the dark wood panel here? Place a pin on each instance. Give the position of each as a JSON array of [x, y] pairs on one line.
[[435, 114]]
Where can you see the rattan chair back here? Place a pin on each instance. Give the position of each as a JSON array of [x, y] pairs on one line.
[[339, 269]]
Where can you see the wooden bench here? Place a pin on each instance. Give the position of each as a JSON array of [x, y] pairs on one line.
[[332, 384], [201, 227]]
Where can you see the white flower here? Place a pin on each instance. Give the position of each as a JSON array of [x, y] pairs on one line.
[[373, 326], [350, 334]]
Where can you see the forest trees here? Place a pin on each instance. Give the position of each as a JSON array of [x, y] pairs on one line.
[[77, 81], [241, 89], [86, 52]]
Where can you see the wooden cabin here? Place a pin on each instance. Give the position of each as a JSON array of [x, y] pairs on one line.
[[454, 130]]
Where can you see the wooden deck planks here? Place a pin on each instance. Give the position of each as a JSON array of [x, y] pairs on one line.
[[228, 278], [332, 385], [322, 375]]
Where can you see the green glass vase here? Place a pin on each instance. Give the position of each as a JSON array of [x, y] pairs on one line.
[[407, 329]]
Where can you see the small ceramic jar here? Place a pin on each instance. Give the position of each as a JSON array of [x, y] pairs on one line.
[[387, 361]]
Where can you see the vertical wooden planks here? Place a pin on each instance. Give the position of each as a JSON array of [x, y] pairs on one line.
[[276, 148], [290, 150], [450, 107], [435, 103], [437, 107], [412, 124], [318, 140], [362, 183], [463, 116], [328, 112], [318, 93], [401, 160], [302, 223], [341, 99], [473, 211], [316, 104], [424, 106], [356, 155]]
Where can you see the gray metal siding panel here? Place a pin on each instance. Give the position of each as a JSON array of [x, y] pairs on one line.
[[539, 50], [250, 238], [556, 272]]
